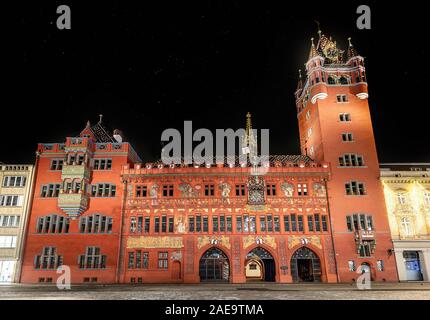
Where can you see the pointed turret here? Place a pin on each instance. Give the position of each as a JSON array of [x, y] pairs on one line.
[[313, 52], [300, 82], [351, 50]]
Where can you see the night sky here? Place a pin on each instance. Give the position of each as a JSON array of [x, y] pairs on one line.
[[150, 65]]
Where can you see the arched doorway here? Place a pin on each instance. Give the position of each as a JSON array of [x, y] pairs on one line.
[[260, 265], [214, 266], [305, 266]]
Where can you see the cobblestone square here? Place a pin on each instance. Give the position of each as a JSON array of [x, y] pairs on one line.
[[257, 291]]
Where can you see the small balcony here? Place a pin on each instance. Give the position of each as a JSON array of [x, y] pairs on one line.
[[73, 204]]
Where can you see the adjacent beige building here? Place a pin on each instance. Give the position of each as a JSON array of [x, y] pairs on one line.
[[407, 195], [15, 195]]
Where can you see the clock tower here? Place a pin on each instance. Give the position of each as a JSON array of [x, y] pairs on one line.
[[335, 127]]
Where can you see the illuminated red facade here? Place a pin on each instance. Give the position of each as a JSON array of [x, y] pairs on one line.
[[313, 217]]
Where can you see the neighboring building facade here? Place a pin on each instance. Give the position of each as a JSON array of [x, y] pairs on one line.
[[407, 194], [15, 198], [318, 216], [335, 127]]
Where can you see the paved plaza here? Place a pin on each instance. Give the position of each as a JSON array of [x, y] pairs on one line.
[[390, 291]]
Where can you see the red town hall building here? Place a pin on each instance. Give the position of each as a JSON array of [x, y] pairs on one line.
[[317, 217]]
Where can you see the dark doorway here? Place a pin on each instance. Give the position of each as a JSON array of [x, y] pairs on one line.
[[267, 261], [304, 270], [214, 266], [305, 266]]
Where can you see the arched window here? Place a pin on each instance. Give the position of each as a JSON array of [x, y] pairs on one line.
[[343, 80], [331, 80]]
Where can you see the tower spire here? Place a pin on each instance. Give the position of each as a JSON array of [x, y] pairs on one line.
[[351, 50], [250, 140], [313, 53]]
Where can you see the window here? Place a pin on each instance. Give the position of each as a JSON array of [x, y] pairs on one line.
[[11, 201], [139, 224], [351, 265], [311, 150], [53, 224], [309, 132], [163, 260], [343, 80], [344, 117], [380, 265], [171, 224], [102, 164], [300, 222], [147, 224], [287, 223], [163, 223], [14, 181], [239, 224], [271, 189], [347, 137], [406, 226], [48, 259], [92, 259], [97, 223], [198, 223], [240, 190], [359, 221], [310, 219], [324, 223], [302, 189], [401, 198], [427, 197], [341, 98], [262, 223], [9, 221], [209, 190], [293, 222], [365, 249], [7, 241], [138, 260], [229, 224], [276, 223], [331, 80], [157, 224], [103, 190], [351, 160], [355, 188], [50, 190], [57, 164], [141, 191], [308, 115], [191, 224], [168, 191]]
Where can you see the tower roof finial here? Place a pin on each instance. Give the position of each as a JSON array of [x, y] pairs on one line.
[[300, 73], [351, 50], [313, 52], [101, 118]]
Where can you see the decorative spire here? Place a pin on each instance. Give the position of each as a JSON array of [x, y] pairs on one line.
[[313, 53], [351, 50], [249, 141], [88, 125], [300, 83], [101, 118]]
